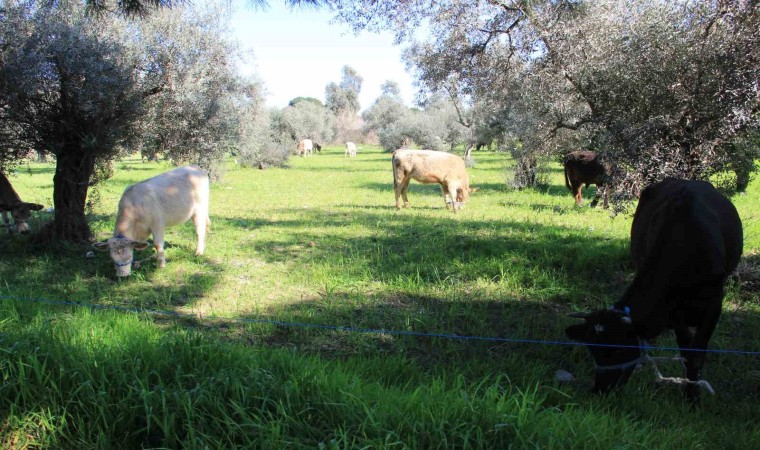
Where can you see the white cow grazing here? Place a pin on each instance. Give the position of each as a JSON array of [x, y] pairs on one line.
[[430, 166], [152, 205], [350, 149], [306, 147]]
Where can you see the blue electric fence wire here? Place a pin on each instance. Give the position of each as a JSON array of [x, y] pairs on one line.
[[355, 329]]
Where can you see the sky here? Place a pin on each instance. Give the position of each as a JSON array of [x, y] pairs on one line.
[[298, 52]]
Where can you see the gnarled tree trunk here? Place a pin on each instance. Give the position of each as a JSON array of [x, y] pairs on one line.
[[73, 170]]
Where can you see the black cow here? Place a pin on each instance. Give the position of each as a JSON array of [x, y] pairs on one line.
[[11, 202], [584, 167], [686, 239]]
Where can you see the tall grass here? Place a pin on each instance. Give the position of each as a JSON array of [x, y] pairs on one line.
[[320, 243]]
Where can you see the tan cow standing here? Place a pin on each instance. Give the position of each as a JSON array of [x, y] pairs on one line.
[[430, 166], [306, 147], [150, 206], [350, 149], [10, 202]]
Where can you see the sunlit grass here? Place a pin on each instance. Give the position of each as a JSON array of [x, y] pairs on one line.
[[320, 243]]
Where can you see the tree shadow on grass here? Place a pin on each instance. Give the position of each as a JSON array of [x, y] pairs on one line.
[[402, 245], [77, 273]]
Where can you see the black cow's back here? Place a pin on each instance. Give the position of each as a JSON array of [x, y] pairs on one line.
[[688, 229]]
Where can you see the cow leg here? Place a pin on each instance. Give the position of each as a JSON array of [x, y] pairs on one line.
[[158, 243], [577, 193], [404, 188], [6, 222], [202, 224], [453, 187], [446, 197], [595, 200], [696, 340], [398, 181]]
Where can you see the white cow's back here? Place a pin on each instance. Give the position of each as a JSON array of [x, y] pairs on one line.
[[165, 200]]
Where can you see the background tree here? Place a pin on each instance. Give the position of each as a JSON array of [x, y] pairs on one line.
[[308, 120], [262, 142], [313, 100], [343, 100], [391, 89], [388, 117]]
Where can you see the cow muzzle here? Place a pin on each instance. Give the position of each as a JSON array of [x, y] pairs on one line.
[[123, 269]]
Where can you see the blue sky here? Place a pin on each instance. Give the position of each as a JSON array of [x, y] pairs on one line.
[[298, 52]]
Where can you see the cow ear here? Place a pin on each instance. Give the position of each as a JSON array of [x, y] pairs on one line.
[[577, 332], [140, 245], [102, 246], [34, 206]]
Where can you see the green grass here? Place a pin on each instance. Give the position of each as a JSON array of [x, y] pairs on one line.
[[320, 243]]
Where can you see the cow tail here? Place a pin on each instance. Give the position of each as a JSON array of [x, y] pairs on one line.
[[567, 180], [393, 165]]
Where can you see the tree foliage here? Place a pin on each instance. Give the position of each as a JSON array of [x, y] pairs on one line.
[[343, 100], [344, 96], [663, 88], [85, 88], [307, 120]]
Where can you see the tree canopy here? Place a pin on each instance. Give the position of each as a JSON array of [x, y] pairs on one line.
[[86, 89], [663, 88]]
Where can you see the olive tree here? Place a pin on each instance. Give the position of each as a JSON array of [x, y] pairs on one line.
[[343, 100], [85, 88], [308, 120], [388, 117]]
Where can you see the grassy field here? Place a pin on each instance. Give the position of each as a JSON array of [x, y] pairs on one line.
[[252, 350]]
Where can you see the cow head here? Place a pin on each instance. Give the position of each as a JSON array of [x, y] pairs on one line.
[[122, 252], [613, 343], [463, 194], [21, 211]]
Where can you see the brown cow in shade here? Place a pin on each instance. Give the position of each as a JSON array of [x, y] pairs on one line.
[[686, 239], [10, 202], [584, 167]]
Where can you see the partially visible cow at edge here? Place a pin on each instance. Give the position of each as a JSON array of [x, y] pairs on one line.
[[686, 239], [350, 149], [10, 202], [152, 205], [584, 167], [306, 147], [430, 166]]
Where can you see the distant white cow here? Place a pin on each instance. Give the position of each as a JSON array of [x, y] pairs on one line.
[[152, 205], [430, 166], [306, 147], [10, 202], [350, 149]]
